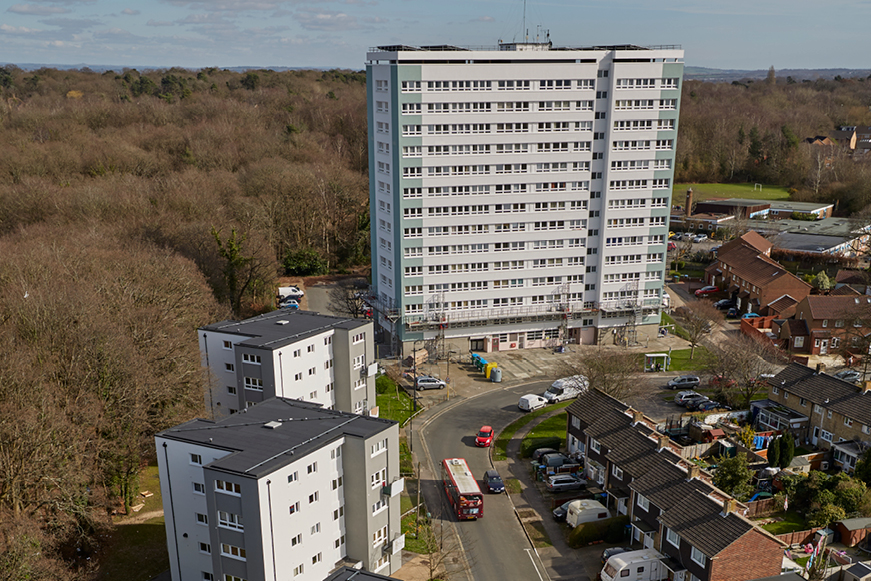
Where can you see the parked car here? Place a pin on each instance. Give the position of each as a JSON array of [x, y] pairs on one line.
[[672, 235], [289, 304], [694, 403], [732, 314], [671, 245], [720, 382], [428, 382], [706, 290], [750, 316], [700, 237], [682, 397], [850, 375], [484, 437], [684, 382], [539, 452], [562, 482], [709, 405], [610, 552], [557, 460], [566, 388], [724, 304], [530, 402], [493, 481], [291, 292], [559, 513]]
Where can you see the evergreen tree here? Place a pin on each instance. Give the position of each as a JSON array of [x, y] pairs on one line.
[[774, 453]]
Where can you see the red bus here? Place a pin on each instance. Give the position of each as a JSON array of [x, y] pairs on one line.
[[462, 489]]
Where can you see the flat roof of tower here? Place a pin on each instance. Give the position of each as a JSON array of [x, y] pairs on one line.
[[519, 46]]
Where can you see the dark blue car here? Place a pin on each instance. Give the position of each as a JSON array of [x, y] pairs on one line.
[[494, 482]]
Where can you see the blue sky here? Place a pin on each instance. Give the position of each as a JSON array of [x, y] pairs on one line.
[[740, 34]]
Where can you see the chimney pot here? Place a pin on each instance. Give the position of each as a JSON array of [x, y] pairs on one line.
[[663, 440], [693, 472], [636, 416], [729, 505]]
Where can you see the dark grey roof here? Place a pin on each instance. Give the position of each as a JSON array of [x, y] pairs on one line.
[[267, 331], [830, 392], [351, 574], [592, 405], [859, 570], [699, 520], [666, 485], [297, 428], [791, 576], [809, 242]]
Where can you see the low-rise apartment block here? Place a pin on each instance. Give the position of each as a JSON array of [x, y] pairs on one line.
[[294, 354], [282, 490]]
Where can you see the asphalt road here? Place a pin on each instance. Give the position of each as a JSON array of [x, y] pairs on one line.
[[495, 547], [318, 298]]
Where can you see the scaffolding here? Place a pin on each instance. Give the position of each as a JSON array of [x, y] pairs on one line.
[[627, 335], [435, 346], [562, 299]]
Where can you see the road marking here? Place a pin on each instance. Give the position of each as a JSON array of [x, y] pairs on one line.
[[529, 552]]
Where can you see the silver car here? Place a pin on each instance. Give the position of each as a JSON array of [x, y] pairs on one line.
[[428, 382]]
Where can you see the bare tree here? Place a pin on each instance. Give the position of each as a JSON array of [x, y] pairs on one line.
[[609, 370], [443, 550], [698, 318], [346, 297], [739, 363]]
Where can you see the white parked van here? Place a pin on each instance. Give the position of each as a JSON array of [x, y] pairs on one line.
[[531, 402], [566, 388], [581, 511], [643, 565]]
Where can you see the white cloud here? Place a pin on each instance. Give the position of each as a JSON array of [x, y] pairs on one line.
[[153, 22], [18, 29], [375, 20], [131, 12], [35, 9], [329, 20]]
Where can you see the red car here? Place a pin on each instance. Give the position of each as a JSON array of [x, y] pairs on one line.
[[484, 437], [672, 245], [707, 290]]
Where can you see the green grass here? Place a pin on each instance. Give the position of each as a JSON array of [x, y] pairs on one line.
[[406, 460], [537, 534], [680, 359], [393, 403], [791, 522], [554, 427], [412, 543], [678, 330], [501, 444], [513, 486], [707, 191]]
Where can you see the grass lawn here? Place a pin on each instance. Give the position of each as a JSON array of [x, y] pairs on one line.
[[680, 359], [678, 330], [138, 551], [412, 543], [791, 522], [554, 427], [706, 191], [501, 443], [539, 536], [393, 403], [513, 486]]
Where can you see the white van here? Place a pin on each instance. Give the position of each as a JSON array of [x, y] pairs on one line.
[[581, 511], [566, 388], [643, 565], [531, 402]]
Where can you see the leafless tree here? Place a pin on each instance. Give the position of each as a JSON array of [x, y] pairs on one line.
[[739, 363], [609, 370], [346, 297], [698, 318]]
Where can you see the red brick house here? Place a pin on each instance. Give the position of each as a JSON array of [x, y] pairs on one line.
[[744, 269], [831, 322]]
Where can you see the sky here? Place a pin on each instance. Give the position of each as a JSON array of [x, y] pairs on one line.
[[731, 34]]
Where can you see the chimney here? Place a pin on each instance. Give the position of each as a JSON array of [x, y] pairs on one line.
[[819, 367], [663, 440], [693, 472], [866, 387], [637, 416], [729, 505], [689, 207]]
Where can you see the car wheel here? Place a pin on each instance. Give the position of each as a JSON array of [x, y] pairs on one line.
[[441, 387]]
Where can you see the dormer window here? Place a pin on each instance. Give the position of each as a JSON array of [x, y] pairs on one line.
[[825, 322]]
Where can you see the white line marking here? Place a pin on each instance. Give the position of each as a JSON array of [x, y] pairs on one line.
[[529, 553]]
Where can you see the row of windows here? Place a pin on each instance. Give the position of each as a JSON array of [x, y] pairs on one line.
[[634, 259], [635, 222], [482, 190], [513, 85], [645, 104], [417, 290], [644, 125], [667, 83], [634, 203], [503, 228], [487, 107], [568, 261], [507, 168], [481, 209], [475, 304], [448, 249]]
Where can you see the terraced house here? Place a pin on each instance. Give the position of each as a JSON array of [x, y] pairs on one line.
[[672, 505]]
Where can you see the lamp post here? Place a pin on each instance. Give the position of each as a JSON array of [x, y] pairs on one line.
[[413, 399]]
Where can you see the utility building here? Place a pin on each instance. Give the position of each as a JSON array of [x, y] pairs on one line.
[[520, 194]]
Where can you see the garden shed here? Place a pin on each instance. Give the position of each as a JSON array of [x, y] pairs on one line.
[[853, 530]]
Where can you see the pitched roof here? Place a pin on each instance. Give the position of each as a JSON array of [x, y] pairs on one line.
[[844, 290], [666, 485], [751, 239], [829, 392], [783, 306], [851, 277], [797, 327], [699, 520], [757, 269], [592, 405], [838, 306]]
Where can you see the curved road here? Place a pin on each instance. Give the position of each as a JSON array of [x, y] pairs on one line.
[[495, 546]]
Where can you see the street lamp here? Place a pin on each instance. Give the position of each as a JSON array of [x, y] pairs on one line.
[[413, 398]]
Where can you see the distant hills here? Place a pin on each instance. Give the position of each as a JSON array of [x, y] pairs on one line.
[[692, 73], [729, 75]]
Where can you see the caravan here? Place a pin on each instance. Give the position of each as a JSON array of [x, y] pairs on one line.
[[581, 511], [643, 565]]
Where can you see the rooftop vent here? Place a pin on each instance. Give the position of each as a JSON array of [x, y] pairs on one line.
[[281, 322], [272, 425]]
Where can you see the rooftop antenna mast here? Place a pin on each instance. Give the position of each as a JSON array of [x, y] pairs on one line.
[[525, 32]]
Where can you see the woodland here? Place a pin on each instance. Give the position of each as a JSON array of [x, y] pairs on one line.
[[136, 206]]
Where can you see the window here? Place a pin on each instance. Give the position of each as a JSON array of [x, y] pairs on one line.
[[231, 389], [228, 345], [358, 361], [232, 578], [297, 376], [312, 468], [337, 482], [312, 371], [230, 521], [313, 497], [254, 383], [205, 548], [316, 528], [818, 409], [379, 447], [196, 459], [378, 507], [294, 508], [798, 342], [379, 537], [642, 502], [202, 519], [594, 445], [199, 488], [359, 338], [825, 322], [248, 358], [340, 541], [228, 487], [297, 571], [803, 402], [617, 472], [208, 576], [232, 551], [293, 477], [826, 436], [848, 422], [296, 540], [229, 367], [316, 559], [672, 537], [698, 557], [378, 478]]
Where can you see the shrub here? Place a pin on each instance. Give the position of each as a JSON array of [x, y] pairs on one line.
[[305, 262], [587, 533], [530, 445], [616, 531]]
